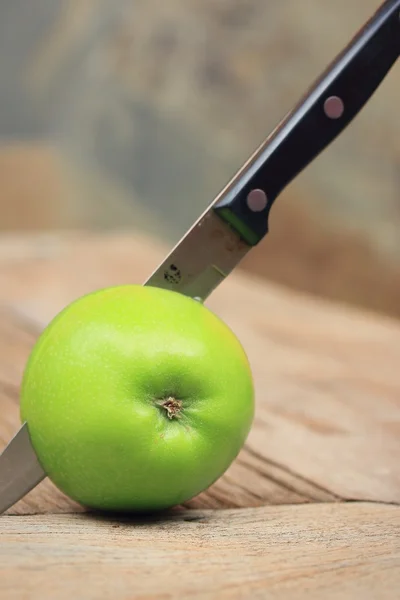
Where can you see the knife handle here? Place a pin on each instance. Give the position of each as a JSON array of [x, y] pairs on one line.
[[321, 115]]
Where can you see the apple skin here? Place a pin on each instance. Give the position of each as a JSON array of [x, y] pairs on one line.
[[91, 393]]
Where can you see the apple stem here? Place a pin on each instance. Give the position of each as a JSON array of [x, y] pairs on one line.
[[172, 406]]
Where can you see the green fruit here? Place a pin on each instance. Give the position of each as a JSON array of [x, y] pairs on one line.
[[136, 398]]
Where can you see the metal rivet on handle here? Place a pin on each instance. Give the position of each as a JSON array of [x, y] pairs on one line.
[[257, 200], [333, 107]]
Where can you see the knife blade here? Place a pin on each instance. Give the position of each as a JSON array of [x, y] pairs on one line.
[[237, 219], [20, 470]]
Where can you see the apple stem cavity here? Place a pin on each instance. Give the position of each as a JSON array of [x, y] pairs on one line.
[[172, 406]]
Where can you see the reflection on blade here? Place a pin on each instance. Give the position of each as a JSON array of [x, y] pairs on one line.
[[208, 252], [20, 470]]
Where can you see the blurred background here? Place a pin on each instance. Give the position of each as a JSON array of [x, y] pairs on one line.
[[133, 114]]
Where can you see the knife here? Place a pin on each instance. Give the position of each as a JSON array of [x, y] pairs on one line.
[[237, 219]]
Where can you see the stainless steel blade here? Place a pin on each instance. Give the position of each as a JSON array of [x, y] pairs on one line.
[[202, 259], [208, 252], [20, 470]]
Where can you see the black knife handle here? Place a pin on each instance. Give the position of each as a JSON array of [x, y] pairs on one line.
[[321, 115]]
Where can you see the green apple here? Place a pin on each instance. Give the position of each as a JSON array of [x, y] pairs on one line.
[[136, 398]]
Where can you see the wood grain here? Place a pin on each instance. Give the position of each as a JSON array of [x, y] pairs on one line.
[[327, 379], [345, 551], [326, 434]]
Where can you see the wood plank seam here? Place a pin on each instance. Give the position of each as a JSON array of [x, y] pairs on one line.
[[318, 488]]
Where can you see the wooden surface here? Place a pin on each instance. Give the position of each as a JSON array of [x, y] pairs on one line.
[[314, 552], [325, 447]]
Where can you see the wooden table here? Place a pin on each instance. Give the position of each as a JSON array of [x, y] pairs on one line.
[[310, 508]]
